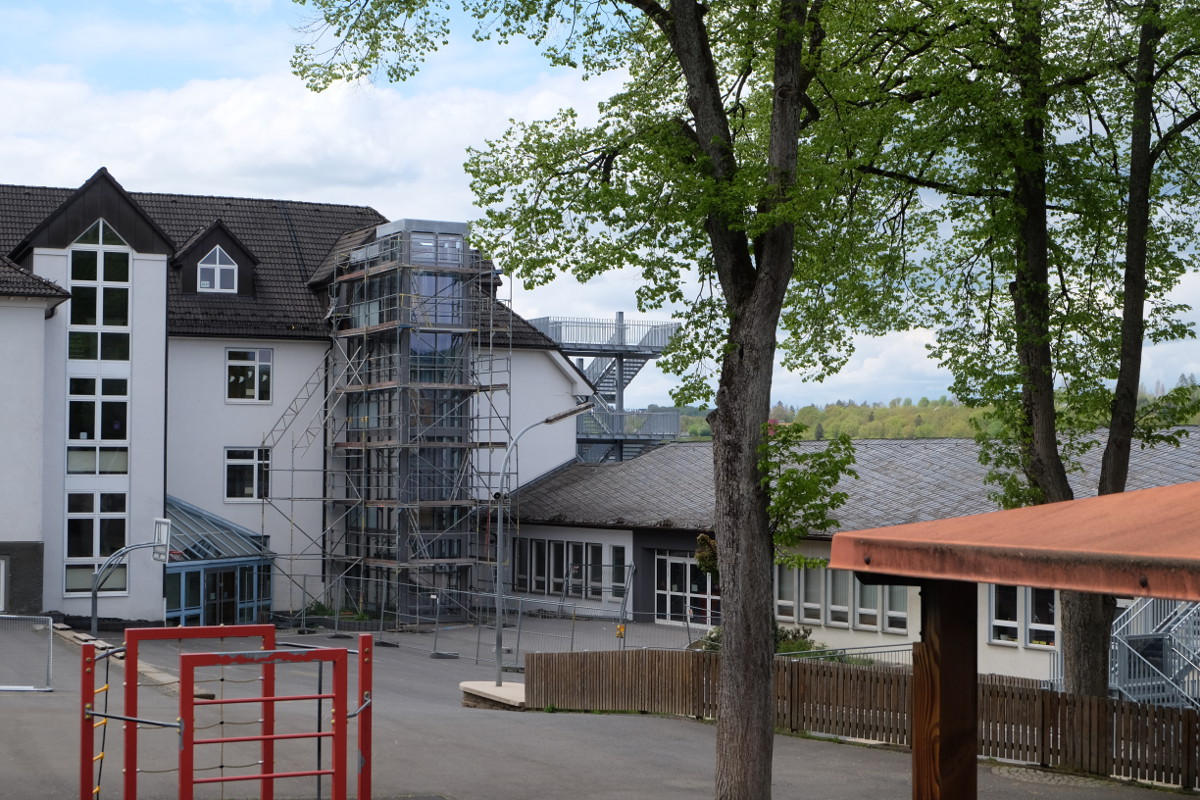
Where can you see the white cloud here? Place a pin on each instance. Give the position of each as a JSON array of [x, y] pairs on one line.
[[195, 97]]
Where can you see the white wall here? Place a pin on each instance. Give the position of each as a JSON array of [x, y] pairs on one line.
[[22, 352], [542, 383], [203, 422]]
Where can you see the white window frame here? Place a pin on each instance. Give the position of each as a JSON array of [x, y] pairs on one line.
[[1033, 629], [3, 584], [1014, 624], [619, 572], [837, 615], [260, 362], [811, 578], [539, 575], [785, 602], [866, 617], [260, 464], [891, 612], [214, 260]]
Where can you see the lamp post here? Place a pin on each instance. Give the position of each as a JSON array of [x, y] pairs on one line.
[[501, 544]]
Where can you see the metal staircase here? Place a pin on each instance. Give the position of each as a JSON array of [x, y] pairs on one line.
[[618, 350], [1155, 653]]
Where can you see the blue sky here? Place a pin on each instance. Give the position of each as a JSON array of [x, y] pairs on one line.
[[195, 96]]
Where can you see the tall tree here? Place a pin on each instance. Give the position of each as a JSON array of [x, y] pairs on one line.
[[724, 170], [1059, 138]]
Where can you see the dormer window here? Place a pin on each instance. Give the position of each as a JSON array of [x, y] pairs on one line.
[[217, 272]]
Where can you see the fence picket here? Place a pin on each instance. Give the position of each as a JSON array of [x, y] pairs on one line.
[[1017, 719]]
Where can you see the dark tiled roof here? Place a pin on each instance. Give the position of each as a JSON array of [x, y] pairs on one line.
[[510, 329], [900, 480], [16, 282], [289, 238]]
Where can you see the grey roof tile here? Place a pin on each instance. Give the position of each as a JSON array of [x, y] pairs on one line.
[[17, 282], [290, 238], [899, 481]]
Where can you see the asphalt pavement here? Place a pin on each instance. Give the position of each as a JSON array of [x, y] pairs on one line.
[[428, 745]]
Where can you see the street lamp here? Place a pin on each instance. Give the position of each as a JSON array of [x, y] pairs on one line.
[[501, 545]]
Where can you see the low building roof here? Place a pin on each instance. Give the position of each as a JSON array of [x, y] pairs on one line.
[[900, 481]]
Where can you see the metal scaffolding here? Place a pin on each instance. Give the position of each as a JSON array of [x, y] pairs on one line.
[[416, 388]]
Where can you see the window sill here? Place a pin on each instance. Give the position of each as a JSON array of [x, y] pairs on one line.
[[1004, 643]]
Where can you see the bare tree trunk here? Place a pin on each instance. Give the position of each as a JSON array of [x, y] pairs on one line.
[[1086, 619], [746, 725]]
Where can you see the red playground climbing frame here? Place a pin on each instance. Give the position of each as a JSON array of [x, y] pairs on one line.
[[189, 662], [92, 719]]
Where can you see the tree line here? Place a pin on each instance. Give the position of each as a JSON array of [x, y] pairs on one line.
[[943, 417]]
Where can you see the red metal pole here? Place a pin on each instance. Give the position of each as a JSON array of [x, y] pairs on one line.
[[267, 787], [366, 655], [187, 729], [341, 726], [130, 729], [87, 730]]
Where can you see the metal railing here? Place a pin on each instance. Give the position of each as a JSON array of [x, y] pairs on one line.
[[888, 655], [26, 653], [603, 333], [662, 424]]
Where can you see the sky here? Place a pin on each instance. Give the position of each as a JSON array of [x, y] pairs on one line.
[[196, 97]]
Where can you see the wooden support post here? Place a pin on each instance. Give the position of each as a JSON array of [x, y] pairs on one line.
[[945, 678]]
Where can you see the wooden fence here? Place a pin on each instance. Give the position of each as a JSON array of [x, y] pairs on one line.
[[1018, 721]]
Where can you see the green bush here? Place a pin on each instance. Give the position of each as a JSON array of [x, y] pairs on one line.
[[787, 640]]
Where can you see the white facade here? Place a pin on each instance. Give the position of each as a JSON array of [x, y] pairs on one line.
[[543, 384], [22, 351], [208, 427]]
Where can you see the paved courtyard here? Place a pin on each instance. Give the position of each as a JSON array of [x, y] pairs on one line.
[[428, 745]]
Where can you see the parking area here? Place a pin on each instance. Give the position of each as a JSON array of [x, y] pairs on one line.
[[428, 745]]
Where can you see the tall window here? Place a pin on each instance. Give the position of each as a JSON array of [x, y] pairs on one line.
[[1004, 620], [98, 407], [785, 592], [1039, 610], [618, 570], [217, 272], [896, 619], [97, 426], [811, 590], [838, 586], [248, 375], [97, 527], [98, 328], [866, 607], [247, 473]]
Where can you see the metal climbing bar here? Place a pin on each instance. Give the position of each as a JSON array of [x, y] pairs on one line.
[[366, 656], [190, 662], [133, 639], [87, 728]]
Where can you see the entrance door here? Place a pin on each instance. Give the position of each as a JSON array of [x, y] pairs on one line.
[[220, 606], [684, 593]]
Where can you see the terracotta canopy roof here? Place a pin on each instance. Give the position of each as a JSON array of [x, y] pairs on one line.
[[1140, 543]]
